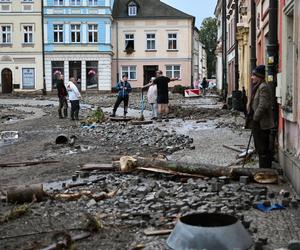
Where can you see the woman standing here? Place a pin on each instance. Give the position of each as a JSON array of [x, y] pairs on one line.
[[74, 97]]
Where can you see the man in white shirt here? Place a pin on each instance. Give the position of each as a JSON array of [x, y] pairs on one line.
[[74, 97]]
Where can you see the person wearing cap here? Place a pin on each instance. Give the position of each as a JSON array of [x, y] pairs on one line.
[[124, 88], [260, 112], [152, 98]]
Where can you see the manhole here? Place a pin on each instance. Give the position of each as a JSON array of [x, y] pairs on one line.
[[209, 231]]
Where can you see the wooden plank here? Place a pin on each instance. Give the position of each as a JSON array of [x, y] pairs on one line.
[[149, 232]]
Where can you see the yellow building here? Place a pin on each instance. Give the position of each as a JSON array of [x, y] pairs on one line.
[[21, 60]]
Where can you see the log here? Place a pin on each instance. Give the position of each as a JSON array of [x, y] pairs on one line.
[[129, 163], [25, 163], [25, 193]]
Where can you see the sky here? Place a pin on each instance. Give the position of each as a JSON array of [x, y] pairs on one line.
[[197, 8]]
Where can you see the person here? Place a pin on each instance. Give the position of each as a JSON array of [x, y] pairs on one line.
[[244, 100], [204, 85], [124, 88], [74, 97], [162, 93], [260, 112], [152, 98], [62, 97]]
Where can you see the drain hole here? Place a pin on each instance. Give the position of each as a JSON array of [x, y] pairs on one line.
[[61, 139], [208, 220]]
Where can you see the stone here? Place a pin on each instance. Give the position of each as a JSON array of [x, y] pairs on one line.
[[216, 186], [91, 203], [294, 245], [285, 202], [244, 180], [294, 203]]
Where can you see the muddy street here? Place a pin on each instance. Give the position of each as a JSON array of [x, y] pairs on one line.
[[90, 198]]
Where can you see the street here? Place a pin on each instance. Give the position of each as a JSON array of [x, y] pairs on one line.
[[196, 133]]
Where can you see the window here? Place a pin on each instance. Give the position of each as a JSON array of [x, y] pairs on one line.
[[91, 74], [132, 9], [58, 2], [173, 71], [57, 69], [27, 1], [28, 78], [58, 32], [6, 34], [130, 71], [93, 2], [75, 33], [5, 1], [150, 41], [93, 33], [129, 41], [27, 34], [172, 41], [75, 2]]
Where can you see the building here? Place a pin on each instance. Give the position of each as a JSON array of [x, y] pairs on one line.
[[219, 49], [21, 60], [78, 42], [149, 35], [196, 54], [288, 90]]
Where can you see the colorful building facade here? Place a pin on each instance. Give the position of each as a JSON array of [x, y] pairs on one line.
[[145, 41], [21, 60], [78, 36]]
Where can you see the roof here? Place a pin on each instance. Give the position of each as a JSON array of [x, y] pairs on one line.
[[148, 9]]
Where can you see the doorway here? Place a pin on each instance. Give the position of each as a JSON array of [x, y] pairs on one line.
[[75, 71], [6, 79], [149, 71]]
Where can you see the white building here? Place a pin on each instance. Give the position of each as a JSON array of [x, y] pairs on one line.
[[219, 70], [202, 61]]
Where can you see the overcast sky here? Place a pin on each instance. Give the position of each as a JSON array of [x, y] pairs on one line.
[[198, 8]]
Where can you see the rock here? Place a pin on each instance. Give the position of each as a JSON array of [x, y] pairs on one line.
[[285, 202], [91, 203], [294, 245]]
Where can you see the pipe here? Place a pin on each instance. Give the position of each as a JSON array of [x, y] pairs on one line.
[[253, 36], [236, 59], [117, 52], [43, 49], [224, 45]]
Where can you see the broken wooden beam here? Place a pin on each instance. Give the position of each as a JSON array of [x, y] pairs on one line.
[[98, 166], [25, 163]]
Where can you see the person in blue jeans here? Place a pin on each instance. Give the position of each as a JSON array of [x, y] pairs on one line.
[[124, 88]]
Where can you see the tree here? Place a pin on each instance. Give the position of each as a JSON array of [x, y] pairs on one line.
[[208, 36]]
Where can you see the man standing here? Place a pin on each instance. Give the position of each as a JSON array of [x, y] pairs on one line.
[[74, 97], [262, 116], [62, 96], [204, 85], [124, 88], [162, 93]]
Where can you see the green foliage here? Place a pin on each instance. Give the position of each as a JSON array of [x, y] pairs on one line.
[[179, 89], [97, 116], [208, 36]]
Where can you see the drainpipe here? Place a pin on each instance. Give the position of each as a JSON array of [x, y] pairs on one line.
[[272, 62], [224, 45], [43, 50], [117, 52], [253, 36], [236, 20]]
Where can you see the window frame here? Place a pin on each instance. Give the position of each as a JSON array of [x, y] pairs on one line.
[[75, 3], [93, 3], [28, 33], [58, 3], [172, 39], [2, 33], [129, 39], [128, 71], [76, 32], [58, 31], [94, 32], [151, 40], [173, 70], [132, 9]]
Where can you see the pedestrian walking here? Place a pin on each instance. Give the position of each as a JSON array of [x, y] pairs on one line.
[[62, 97], [152, 98], [260, 112], [74, 97], [204, 85], [124, 88], [162, 93]]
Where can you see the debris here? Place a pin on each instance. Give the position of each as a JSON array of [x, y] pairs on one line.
[[92, 223], [244, 180], [129, 163], [142, 122], [120, 119], [25, 193], [138, 247], [9, 136], [263, 208], [233, 148], [285, 202], [65, 241], [91, 203], [150, 232], [164, 171], [72, 140], [98, 166], [15, 213], [201, 121], [25, 163], [294, 245], [246, 154], [97, 116]]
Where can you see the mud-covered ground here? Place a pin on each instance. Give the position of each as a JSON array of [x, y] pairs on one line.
[[196, 133]]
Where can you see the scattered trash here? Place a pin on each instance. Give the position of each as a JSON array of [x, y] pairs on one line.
[[263, 208]]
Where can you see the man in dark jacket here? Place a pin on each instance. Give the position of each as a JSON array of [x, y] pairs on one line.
[[62, 96], [262, 116], [123, 87]]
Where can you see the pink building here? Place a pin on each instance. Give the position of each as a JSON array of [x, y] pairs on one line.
[[149, 35]]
